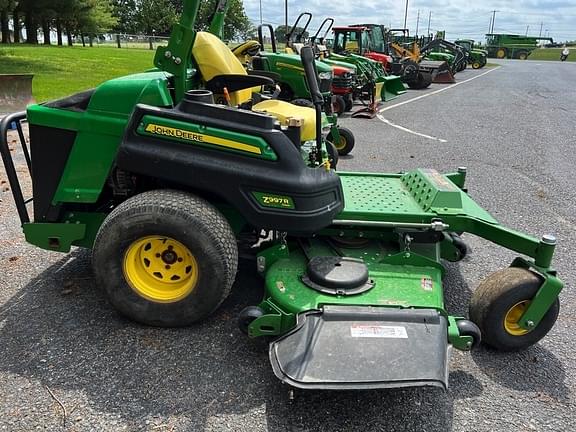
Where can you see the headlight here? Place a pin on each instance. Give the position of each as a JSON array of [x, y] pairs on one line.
[[325, 75]]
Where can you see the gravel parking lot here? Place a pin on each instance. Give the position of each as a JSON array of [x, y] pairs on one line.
[[63, 349]]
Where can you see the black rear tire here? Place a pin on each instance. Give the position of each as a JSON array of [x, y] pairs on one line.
[[497, 298], [159, 215], [338, 105], [421, 81], [349, 102]]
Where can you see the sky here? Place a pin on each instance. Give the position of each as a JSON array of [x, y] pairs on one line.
[[459, 18]]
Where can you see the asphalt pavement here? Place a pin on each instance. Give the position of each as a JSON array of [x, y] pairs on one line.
[[64, 350]]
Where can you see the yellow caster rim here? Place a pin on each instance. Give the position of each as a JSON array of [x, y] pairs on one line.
[[513, 317], [341, 144], [160, 269]]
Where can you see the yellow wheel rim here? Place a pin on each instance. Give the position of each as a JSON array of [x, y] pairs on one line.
[[160, 269], [340, 144], [501, 53], [513, 317], [476, 65]]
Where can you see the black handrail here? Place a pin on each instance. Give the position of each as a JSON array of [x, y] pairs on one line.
[[272, 37], [5, 126]]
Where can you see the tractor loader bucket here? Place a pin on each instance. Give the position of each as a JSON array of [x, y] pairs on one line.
[[352, 347], [392, 87], [441, 73], [15, 92]]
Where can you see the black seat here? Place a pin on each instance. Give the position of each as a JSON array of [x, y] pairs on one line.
[[77, 102]]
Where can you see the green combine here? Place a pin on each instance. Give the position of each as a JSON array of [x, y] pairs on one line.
[[165, 185], [510, 46]]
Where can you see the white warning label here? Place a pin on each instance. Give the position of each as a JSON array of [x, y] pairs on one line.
[[378, 331]]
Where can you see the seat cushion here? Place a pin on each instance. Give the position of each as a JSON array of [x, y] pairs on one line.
[[283, 111], [214, 58]]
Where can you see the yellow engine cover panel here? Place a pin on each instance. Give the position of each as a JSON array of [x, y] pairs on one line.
[[283, 111]]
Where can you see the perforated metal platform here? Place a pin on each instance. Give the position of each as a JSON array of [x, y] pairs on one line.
[[376, 194]]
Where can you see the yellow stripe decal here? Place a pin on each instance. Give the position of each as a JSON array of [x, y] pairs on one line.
[[289, 66], [182, 134]]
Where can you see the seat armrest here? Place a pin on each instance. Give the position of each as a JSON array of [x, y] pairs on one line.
[[272, 75]]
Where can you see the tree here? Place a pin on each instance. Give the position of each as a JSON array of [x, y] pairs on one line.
[[6, 7], [97, 19], [237, 23], [125, 13], [155, 17]]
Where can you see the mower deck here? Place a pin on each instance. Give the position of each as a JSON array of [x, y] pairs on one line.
[[361, 305]]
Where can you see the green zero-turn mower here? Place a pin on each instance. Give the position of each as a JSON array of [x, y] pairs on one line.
[[290, 76], [164, 185]]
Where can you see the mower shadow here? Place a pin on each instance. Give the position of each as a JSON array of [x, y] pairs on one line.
[[535, 370], [62, 332]]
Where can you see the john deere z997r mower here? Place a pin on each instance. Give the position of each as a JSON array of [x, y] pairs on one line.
[[164, 185]]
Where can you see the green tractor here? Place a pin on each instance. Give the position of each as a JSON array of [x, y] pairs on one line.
[[164, 186], [372, 83], [442, 50], [288, 72], [477, 58]]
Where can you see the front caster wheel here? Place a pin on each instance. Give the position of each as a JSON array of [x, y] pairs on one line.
[[247, 316], [346, 142], [498, 304]]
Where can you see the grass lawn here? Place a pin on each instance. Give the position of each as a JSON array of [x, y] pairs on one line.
[[551, 54], [61, 71]]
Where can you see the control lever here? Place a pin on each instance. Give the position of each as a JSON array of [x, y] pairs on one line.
[[309, 63]]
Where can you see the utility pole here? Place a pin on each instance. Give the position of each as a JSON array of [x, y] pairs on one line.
[[541, 24], [527, 27], [417, 22], [260, 12], [286, 14], [406, 14], [429, 19], [493, 20]]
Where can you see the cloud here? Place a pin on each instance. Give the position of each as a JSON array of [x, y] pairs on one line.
[[459, 18]]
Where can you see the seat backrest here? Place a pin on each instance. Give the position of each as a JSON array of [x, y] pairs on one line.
[[214, 58], [351, 46], [298, 47]]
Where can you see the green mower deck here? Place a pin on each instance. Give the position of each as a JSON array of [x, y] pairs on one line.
[[370, 286]]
